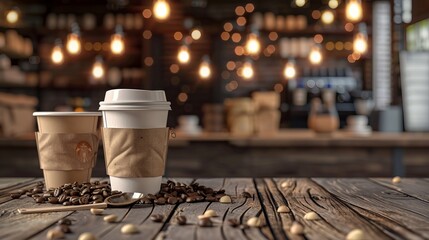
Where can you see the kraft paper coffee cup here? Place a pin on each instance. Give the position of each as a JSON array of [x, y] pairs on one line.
[[135, 109], [70, 124]]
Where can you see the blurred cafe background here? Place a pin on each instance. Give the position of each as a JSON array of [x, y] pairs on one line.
[[330, 88]]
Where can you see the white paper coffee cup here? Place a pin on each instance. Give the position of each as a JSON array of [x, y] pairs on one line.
[[135, 109], [67, 122]]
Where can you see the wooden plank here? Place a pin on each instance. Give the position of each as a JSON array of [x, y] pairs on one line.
[[21, 226], [414, 187], [397, 213], [336, 218], [27, 185], [10, 182]]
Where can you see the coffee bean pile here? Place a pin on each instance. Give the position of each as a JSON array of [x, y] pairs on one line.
[[172, 193], [70, 193]]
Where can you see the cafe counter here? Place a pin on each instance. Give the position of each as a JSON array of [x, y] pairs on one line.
[[299, 153]]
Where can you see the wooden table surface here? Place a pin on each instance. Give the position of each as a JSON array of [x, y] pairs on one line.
[[378, 207]]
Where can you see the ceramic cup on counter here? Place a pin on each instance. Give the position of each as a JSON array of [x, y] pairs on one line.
[[135, 138], [67, 144]]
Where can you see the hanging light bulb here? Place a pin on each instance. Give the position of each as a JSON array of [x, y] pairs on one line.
[[315, 56], [333, 4], [12, 16], [97, 68], [247, 70], [360, 43], [73, 40], [289, 71], [327, 17], [161, 9], [183, 55], [300, 3], [57, 55], [205, 70], [253, 46], [354, 10], [117, 41]]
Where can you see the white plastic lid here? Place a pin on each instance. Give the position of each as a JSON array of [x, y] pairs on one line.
[[134, 103], [134, 95], [134, 107], [68, 114]]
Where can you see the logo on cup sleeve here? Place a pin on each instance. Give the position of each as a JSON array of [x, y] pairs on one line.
[[84, 151]]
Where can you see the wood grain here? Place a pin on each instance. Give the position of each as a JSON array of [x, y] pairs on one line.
[[404, 215], [414, 187]]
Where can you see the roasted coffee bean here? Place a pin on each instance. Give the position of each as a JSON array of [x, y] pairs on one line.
[[191, 199], [74, 200], [172, 200], [46, 196], [53, 200], [246, 195], [98, 201], [74, 193], [65, 221], [205, 222], [37, 190], [64, 228], [156, 217], [145, 200], [67, 203], [29, 194], [85, 191], [233, 222], [58, 192], [181, 220], [211, 199], [115, 192], [40, 200], [84, 199], [96, 197], [160, 201], [15, 195], [96, 192], [62, 198]]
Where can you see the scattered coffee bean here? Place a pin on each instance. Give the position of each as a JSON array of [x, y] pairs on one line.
[[53, 200], [110, 218], [172, 200], [233, 222], [181, 220], [96, 211], [67, 203], [157, 217], [129, 229], [54, 233], [297, 228], [145, 200], [356, 234], [311, 216], [58, 192], [225, 199], [64, 228], [287, 184], [283, 209], [253, 222], [87, 236], [15, 195], [396, 179], [246, 195], [160, 201], [205, 222], [65, 221], [210, 213], [40, 200]]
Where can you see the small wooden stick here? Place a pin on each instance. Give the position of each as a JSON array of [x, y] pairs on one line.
[[62, 208]]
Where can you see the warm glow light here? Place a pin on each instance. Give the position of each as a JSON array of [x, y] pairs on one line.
[[98, 70], [333, 4], [196, 34], [12, 16], [204, 70], [73, 43], [354, 10], [117, 45], [300, 3], [247, 70], [360, 44], [253, 47], [289, 71], [315, 56], [183, 56], [161, 9], [57, 55], [328, 17]]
